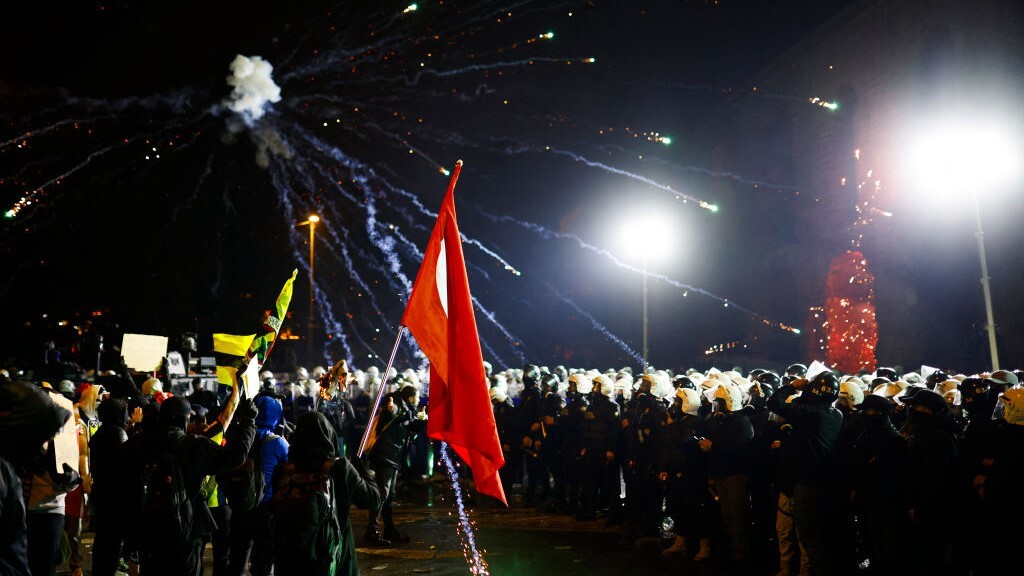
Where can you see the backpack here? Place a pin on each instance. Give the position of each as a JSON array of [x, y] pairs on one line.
[[163, 514], [307, 534], [245, 486]]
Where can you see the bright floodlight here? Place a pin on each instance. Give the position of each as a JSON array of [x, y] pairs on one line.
[[314, 218], [957, 156], [647, 237]]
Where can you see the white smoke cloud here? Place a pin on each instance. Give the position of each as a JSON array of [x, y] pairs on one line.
[[252, 87]]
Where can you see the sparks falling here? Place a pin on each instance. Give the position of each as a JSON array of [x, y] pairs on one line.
[[474, 555], [352, 121]]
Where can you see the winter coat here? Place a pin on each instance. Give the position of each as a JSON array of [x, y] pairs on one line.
[[812, 440], [731, 436]]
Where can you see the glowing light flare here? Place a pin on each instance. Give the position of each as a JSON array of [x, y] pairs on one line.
[[410, 8], [957, 156], [647, 236], [546, 36]]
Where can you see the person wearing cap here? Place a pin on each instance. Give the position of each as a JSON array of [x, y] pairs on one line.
[[815, 425], [197, 457], [876, 464], [935, 479]]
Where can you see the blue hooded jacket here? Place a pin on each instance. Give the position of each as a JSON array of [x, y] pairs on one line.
[[273, 450]]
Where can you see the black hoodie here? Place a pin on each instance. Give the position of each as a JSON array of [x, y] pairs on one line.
[[313, 442]]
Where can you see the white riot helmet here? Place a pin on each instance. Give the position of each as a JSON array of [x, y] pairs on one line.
[[318, 372], [624, 384], [498, 394], [1013, 406], [850, 393], [301, 373], [732, 396], [690, 400], [583, 384], [607, 387]]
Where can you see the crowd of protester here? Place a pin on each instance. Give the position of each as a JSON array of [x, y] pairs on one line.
[[788, 471]]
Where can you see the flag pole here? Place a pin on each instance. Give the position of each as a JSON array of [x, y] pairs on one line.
[[380, 392]]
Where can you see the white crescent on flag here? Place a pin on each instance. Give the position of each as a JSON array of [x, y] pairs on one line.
[[441, 277]]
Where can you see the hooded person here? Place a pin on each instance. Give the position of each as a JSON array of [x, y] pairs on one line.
[[108, 509], [314, 448], [251, 534], [194, 457], [29, 415]]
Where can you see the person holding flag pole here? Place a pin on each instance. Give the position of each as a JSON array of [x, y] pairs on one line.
[[439, 315]]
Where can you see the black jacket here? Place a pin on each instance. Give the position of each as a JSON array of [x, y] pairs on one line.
[[812, 441]]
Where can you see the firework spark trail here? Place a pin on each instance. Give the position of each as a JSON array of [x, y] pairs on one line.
[[328, 60], [515, 342], [433, 215], [489, 252], [340, 253], [331, 326], [552, 235], [492, 354], [474, 556], [619, 171], [338, 247], [597, 325], [494, 66], [33, 195], [37, 132], [708, 172], [517, 149]]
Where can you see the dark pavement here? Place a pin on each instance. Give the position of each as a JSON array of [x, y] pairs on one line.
[[516, 542]]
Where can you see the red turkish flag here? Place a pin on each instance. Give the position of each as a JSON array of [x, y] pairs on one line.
[[440, 317]]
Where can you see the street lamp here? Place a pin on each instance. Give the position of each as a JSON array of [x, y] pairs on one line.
[[957, 156], [311, 222], [648, 238]]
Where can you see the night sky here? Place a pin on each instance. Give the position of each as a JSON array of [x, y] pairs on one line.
[[151, 213]]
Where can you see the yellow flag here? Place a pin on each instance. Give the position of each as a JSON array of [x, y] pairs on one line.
[[230, 351]]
